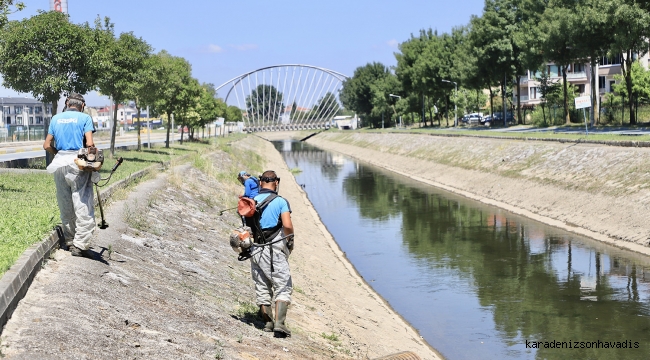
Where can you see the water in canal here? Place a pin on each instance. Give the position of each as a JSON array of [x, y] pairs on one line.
[[476, 281]]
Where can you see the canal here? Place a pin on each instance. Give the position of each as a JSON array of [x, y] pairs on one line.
[[476, 281]]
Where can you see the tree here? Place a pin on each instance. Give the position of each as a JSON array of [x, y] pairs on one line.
[[640, 84], [382, 102], [6, 9], [209, 107], [357, 93], [558, 24], [406, 72], [549, 90], [47, 55], [173, 74], [233, 113], [122, 60], [142, 90], [594, 38], [505, 43], [188, 100], [630, 26], [265, 102]]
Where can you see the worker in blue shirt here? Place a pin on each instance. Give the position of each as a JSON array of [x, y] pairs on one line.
[[251, 184], [270, 266], [74, 192]]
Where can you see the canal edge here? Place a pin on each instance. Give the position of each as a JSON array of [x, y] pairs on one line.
[[622, 244], [341, 256]]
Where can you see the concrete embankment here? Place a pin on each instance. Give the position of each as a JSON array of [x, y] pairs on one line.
[[166, 284], [598, 191]]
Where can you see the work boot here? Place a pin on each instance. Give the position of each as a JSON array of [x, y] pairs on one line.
[[75, 251], [280, 316], [266, 311]]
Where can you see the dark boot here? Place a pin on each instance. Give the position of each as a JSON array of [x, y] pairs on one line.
[[280, 317], [266, 311]]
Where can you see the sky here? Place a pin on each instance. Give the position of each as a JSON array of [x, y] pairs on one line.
[[224, 39]]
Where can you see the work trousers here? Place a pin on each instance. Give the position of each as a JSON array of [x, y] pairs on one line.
[[278, 282], [74, 193]]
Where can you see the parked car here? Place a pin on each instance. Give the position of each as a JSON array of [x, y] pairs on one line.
[[472, 118], [497, 118]]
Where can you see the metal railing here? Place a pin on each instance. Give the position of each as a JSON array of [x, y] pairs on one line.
[[576, 75], [22, 133]]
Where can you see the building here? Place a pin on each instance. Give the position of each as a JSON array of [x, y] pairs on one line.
[[578, 74], [23, 118], [104, 115]]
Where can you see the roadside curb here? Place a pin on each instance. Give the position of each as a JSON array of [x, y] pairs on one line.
[[620, 143], [16, 281]]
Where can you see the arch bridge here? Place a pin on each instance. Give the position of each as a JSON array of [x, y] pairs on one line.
[[286, 97]]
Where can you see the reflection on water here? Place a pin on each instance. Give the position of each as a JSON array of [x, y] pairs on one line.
[[477, 281]]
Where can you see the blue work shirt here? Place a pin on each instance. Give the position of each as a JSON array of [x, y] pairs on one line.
[[271, 215], [251, 187], [68, 129]]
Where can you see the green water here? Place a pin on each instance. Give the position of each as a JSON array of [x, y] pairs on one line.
[[476, 281]]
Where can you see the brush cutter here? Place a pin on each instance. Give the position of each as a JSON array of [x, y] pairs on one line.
[[223, 211], [104, 224]]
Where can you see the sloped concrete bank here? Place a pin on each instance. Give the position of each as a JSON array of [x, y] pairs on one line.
[[166, 284], [599, 191]]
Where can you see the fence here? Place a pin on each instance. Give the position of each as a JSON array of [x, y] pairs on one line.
[[21, 133]]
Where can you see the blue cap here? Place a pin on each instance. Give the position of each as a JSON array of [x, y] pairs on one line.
[[243, 173]]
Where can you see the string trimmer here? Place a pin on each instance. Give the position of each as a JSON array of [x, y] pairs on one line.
[[104, 224]]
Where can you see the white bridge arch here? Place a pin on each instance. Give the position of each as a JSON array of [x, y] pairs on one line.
[[286, 97]]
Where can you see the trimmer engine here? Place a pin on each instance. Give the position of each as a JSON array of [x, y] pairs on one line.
[[90, 159]]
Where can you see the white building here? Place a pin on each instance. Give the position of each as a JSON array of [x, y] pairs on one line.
[[578, 74]]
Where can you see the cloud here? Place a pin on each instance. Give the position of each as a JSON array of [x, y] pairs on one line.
[[212, 48], [392, 43], [244, 47]]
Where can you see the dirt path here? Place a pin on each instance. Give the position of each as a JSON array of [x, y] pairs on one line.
[[599, 191], [167, 285]]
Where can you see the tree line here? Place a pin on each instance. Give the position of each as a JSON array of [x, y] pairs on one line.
[[493, 51], [47, 56]]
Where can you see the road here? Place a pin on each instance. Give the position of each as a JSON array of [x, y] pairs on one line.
[[34, 149]]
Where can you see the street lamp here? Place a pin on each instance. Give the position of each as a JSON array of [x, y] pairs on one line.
[[455, 101], [400, 118]]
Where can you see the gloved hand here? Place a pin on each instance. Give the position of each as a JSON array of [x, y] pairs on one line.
[[290, 244], [95, 177]]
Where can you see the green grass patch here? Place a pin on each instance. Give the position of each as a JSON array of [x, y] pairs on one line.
[[28, 207], [247, 310], [530, 135], [330, 337], [295, 170]]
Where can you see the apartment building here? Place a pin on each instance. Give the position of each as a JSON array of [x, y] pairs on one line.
[[578, 74], [22, 112], [104, 117]]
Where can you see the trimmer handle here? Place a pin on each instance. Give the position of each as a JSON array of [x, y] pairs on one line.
[[117, 164]]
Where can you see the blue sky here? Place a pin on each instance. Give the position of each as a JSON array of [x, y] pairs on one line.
[[223, 39]]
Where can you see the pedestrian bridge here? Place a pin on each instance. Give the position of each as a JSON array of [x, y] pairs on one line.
[[286, 97]]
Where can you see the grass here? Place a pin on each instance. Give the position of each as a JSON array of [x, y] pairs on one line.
[[28, 207], [330, 337], [295, 170], [247, 310], [528, 135]]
